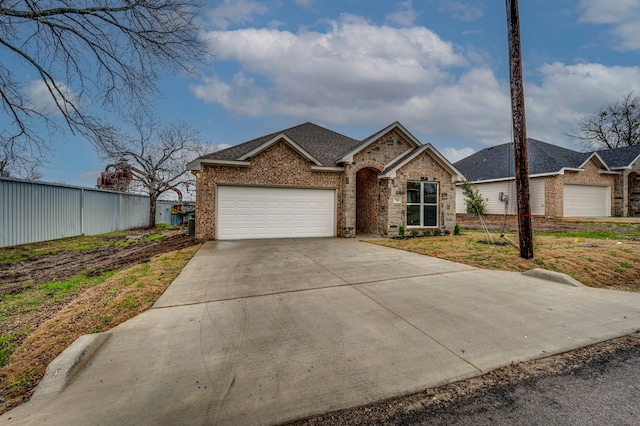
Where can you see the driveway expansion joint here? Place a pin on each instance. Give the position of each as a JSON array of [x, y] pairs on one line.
[[421, 331]]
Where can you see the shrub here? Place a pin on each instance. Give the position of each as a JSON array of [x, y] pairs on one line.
[[456, 230]]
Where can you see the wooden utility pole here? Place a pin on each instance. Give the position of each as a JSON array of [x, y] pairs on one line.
[[525, 229]]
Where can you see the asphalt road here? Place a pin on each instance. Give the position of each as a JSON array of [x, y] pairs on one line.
[[602, 392]]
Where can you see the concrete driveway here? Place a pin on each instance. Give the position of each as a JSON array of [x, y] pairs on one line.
[[263, 332]]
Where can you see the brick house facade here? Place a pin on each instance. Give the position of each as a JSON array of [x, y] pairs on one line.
[[380, 185]]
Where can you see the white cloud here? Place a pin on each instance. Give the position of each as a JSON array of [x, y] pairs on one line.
[[235, 12], [465, 11], [357, 73], [405, 16], [455, 155], [622, 15], [571, 91], [41, 100]]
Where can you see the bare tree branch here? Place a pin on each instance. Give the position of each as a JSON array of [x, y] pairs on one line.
[[614, 126], [93, 56]]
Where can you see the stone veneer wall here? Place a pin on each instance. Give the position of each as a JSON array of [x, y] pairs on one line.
[[277, 166], [620, 195], [423, 168], [374, 157]]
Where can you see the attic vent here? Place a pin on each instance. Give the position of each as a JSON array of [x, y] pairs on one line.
[[377, 148], [389, 141], [399, 142]]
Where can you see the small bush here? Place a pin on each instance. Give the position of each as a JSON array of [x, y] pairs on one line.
[[472, 197], [456, 230]]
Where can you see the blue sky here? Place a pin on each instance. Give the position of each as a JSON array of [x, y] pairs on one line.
[[439, 67]]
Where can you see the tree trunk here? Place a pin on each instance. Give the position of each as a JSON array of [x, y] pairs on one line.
[[153, 201]]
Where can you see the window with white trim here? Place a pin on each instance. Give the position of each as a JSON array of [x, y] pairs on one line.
[[422, 204]]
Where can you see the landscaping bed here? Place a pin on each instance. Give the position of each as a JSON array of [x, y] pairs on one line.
[[605, 255]]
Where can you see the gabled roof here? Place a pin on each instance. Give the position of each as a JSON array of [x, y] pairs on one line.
[[371, 139], [620, 158], [319, 145], [325, 149], [496, 162]]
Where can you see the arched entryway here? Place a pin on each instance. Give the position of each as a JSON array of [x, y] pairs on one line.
[[367, 201]]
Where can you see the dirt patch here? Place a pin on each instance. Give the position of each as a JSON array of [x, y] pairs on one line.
[[54, 291], [124, 250], [54, 326]]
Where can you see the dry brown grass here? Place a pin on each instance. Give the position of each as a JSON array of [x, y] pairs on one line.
[[99, 308], [605, 263]]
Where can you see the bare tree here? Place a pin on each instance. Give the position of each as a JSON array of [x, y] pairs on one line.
[[614, 126], [18, 163], [67, 63], [155, 158]]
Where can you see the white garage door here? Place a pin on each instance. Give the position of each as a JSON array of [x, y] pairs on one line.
[[587, 201], [255, 212]]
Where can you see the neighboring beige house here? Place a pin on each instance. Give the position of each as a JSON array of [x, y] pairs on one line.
[[562, 182], [308, 181]]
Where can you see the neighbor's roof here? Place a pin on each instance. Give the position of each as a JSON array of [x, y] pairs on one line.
[[497, 162], [321, 144], [620, 158]]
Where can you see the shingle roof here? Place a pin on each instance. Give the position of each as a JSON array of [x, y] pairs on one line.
[[323, 144], [496, 162], [620, 157]]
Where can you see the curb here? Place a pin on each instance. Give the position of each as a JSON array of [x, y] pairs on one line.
[[556, 277], [62, 370]]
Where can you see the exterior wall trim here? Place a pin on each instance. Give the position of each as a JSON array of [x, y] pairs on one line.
[[327, 169], [196, 165]]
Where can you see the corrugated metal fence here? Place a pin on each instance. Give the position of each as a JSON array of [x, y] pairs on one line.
[[39, 211]]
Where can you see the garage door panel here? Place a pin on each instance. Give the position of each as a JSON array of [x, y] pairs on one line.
[[587, 201], [255, 212]]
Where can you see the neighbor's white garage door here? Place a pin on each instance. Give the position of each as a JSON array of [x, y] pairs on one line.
[[245, 212], [587, 201]]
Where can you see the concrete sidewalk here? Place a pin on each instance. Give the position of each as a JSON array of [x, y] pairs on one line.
[[263, 332]]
